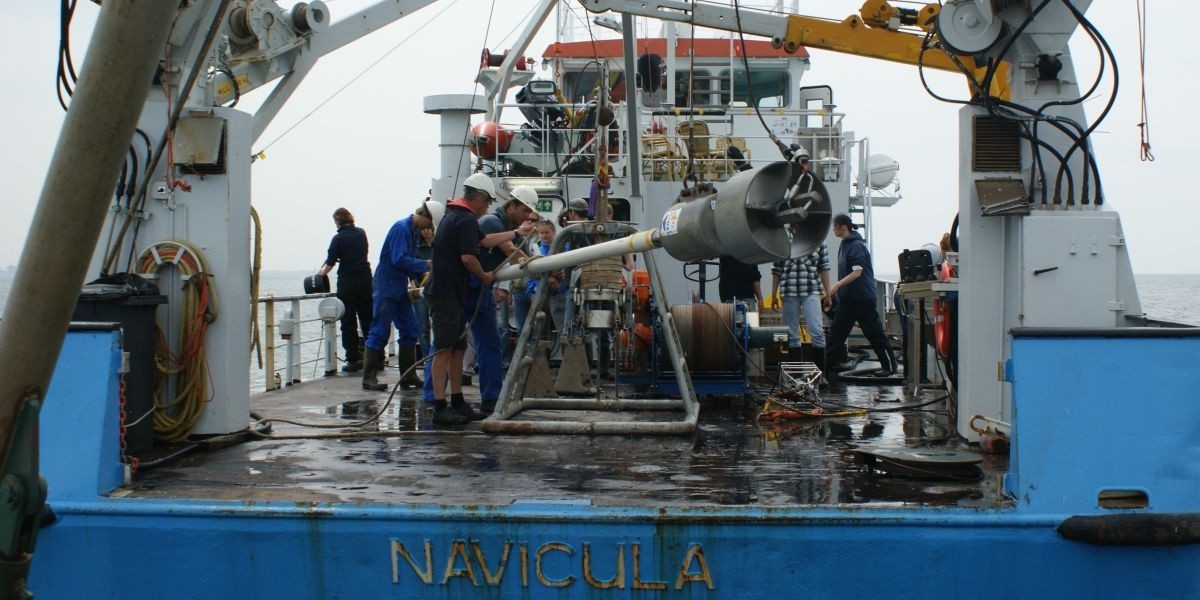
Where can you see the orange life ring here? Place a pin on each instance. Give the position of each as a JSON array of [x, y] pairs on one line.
[[941, 326]]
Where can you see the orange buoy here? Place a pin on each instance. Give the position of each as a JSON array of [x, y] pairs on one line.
[[941, 326], [488, 139]]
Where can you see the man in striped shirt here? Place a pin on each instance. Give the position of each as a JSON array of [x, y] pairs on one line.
[[800, 283]]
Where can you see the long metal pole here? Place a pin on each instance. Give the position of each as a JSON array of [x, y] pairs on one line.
[[124, 51], [632, 129], [643, 241], [516, 53]]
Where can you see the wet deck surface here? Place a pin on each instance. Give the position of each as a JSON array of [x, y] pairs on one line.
[[732, 459]]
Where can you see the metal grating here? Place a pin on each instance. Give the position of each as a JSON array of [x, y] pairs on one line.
[[996, 145]]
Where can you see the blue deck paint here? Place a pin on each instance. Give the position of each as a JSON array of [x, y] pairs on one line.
[[80, 450], [1105, 413]]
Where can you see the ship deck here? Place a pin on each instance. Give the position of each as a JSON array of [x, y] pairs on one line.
[[732, 459]]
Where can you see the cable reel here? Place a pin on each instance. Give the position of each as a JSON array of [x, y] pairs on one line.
[[965, 29]]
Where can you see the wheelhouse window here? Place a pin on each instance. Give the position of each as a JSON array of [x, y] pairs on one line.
[[579, 85], [699, 82], [765, 88]]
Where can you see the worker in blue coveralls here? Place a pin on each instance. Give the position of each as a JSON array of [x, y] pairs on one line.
[[398, 263], [519, 216]]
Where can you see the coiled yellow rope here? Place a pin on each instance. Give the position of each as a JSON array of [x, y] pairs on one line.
[[174, 419], [255, 275]]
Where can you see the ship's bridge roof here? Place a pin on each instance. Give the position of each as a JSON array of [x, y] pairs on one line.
[[704, 48]]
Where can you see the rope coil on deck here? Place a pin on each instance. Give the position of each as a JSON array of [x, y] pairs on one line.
[[175, 419]]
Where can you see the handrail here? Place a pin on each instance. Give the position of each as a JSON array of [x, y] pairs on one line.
[[296, 344], [824, 141], [273, 298], [293, 343]]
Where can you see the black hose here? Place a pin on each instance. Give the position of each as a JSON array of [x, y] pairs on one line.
[[146, 465], [863, 376], [237, 89], [954, 233], [66, 76]]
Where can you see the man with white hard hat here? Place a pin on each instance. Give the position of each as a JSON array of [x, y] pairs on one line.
[[489, 322], [459, 290], [398, 263]]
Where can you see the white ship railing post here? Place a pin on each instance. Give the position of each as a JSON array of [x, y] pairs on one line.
[[294, 353], [330, 327], [269, 344], [393, 345], [287, 331]]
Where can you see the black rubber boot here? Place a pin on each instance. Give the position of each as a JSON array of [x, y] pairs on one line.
[[352, 366], [372, 363], [830, 369], [818, 358], [887, 362], [408, 358], [468, 413], [445, 415]]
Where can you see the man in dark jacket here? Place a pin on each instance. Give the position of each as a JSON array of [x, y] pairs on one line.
[[855, 293], [737, 280], [349, 247], [453, 302]]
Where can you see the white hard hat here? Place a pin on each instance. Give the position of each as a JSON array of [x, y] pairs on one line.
[[802, 152], [436, 211], [482, 183], [526, 195]]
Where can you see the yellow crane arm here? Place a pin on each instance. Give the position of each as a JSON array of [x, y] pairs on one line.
[[870, 34], [874, 32]]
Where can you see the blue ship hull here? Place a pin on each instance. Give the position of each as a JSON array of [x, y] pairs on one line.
[[1074, 440], [234, 550]]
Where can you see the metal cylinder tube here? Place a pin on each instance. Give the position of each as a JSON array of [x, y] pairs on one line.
[[639, 242], [743, 220]]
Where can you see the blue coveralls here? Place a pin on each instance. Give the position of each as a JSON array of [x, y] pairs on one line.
[[485, 339], [398, 263]]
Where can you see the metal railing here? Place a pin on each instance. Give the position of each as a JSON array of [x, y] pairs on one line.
[[549, 149], [296, 327]]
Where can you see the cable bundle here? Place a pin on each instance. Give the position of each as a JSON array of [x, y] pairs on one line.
[[174, 419]]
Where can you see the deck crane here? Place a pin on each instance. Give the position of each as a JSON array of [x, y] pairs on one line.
[[1039, 246]]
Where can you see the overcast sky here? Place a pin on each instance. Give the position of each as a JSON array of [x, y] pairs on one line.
[[373, 150]]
